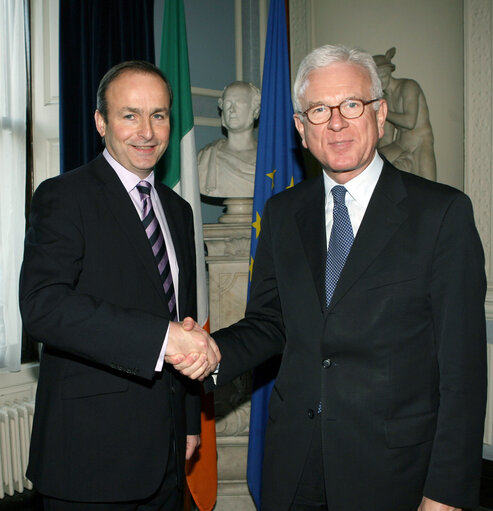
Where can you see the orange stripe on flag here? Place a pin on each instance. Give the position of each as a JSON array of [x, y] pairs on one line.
[[201, 470]]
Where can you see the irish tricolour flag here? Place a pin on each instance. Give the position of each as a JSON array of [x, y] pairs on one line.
[[180, 173]]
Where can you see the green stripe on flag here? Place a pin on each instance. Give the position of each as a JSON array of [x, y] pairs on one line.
[[174, 64]]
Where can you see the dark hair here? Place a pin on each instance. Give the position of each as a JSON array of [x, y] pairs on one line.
[[138, 66]]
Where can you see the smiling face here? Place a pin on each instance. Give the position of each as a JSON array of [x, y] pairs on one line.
[[344, 147], [136, 131]]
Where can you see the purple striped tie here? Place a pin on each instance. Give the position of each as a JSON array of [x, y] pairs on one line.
[[156, 239]]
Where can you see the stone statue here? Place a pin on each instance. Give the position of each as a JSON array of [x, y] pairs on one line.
[[408, 137], [227, 166]]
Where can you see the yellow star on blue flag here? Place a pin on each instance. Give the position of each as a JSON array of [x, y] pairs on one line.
[[256, 225], [250, 268], [271, 175]]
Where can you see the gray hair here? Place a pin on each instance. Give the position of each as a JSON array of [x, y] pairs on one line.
[[254, 91], [331, 54]]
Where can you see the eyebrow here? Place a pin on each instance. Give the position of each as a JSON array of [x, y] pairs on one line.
[[316, 103], [139, 110]]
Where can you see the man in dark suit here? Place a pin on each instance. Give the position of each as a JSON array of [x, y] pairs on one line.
[[109, 267], [370, 283]]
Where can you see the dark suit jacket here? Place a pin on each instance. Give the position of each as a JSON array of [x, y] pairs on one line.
[[91, 293], [404, 383]]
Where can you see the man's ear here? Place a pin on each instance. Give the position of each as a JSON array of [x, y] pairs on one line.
[[381, 117], [301, 129], [100, 123]]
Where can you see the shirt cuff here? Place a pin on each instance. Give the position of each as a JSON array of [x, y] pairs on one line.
[[215, 373], [160, 360]]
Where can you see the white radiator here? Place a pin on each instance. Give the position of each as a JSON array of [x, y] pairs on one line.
[[16, 421]]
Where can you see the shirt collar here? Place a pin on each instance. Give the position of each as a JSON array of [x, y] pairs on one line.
[[128, 179], [360, 187]]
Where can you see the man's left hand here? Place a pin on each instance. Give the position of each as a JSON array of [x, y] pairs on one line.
[[432, 505], [193, 441]]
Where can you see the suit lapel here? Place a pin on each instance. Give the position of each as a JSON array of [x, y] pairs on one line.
[[311, 226], [123, 210], [384, 215]]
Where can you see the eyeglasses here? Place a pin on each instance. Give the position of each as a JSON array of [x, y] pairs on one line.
[[349, 109]]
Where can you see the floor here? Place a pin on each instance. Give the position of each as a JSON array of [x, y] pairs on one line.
[[29, 501]]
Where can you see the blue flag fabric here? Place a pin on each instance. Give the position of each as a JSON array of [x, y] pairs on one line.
[[278, 168]]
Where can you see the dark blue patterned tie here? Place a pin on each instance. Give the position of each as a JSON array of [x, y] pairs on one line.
[[340, 242], [341, 239], [156, 239]]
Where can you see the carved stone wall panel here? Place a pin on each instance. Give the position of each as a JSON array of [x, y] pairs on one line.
[[228, 249], [235, 466], [232, 298], [232, 490], [227, 304], [234, 496], [233, 418], [478, 51]]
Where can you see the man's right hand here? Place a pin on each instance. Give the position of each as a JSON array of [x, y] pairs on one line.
[[191, 350]]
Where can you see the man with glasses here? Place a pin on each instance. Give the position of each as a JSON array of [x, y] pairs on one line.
[[370, 282]]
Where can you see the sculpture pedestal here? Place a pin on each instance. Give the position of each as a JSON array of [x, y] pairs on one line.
[[238, 211], [228, 246]]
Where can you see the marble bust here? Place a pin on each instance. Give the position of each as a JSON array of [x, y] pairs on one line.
[[408, 138], [227, 166]]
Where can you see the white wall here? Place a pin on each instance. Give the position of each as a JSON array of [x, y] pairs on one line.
[[428, 35]]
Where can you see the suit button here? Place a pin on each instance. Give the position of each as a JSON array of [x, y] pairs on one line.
[[172, 388], [327, 363], [311, 413]]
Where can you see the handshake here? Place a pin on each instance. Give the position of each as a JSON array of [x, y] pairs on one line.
[[191, 350]]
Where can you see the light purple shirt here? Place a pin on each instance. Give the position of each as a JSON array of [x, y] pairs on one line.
[[130, 181]]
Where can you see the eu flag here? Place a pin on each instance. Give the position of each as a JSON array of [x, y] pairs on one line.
[[278, 167]]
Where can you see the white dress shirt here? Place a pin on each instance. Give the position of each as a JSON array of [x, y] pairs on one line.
[[358, 195]]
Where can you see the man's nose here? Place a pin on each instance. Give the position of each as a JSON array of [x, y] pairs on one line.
[[337, 122], [146, 130]]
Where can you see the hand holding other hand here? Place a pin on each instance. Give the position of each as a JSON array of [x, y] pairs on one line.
[[191, 350]]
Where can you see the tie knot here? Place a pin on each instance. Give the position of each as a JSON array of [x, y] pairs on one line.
[[144, 188], [339, 194]]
